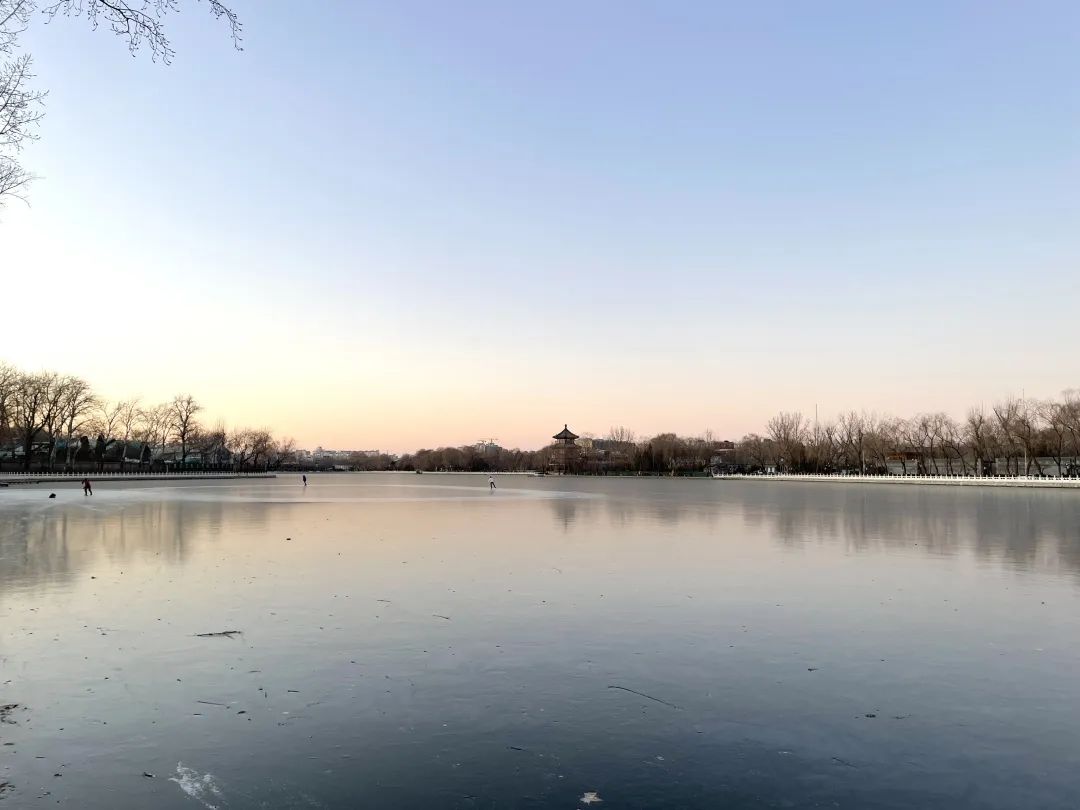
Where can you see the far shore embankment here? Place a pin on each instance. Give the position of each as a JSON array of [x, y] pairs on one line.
[[7, 479], [1027, 481]]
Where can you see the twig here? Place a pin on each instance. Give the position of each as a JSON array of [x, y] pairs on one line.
[[642, 694]]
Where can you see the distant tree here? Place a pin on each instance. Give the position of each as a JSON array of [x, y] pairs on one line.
[[852, 428], [1054, 416], [283, 452], [76, 405], [787, 430], [53, 418], [34, 405], [239, 444], [1070, 419], [896, 442], [105, 421], [1007, 415], [978, 437], [951, 440], [155, 425], [825, 448], [262, 447], [182, 421], [127, 427], [1031, 435], [9, 381], [106, 416]]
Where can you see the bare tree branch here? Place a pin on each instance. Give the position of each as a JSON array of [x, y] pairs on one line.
[[140, 22]]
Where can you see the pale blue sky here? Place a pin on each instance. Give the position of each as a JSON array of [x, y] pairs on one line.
[[406, 223]]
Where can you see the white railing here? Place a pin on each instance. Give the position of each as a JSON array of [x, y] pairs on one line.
[[941, 478]]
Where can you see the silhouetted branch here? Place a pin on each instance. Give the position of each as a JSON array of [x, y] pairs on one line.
[[140, 22]]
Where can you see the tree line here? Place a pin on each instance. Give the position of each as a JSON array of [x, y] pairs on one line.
[[619, 452], [1016, 436], [57, 421]]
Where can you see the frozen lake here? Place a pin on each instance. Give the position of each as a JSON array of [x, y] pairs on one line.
[[420, 642]]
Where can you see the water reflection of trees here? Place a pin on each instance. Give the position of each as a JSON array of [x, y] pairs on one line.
[[1022, 528], [1026, 529], [57, 545], [619, 512]]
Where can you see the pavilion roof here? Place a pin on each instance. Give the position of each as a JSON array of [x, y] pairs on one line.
[[565, 434]]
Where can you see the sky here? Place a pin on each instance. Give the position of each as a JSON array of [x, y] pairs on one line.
[[416, 223]]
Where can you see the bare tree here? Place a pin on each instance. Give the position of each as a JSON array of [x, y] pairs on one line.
[[184, 426], [756, 451], [240, 443], [951, 438], [9, 381], [34, 406], [1028, 430], [788, 431], [27, 415], [212, 444], [262, 445], [1070, 417], [823, 447], [77, 404], [31, 403], [138, 22], [105, 421], [128, 426], [284, 451], [1007, 414], [21, 106], [877, 444], [106, 418], [852, 431], [55, 413], [1055, 416], [155, 425], [896, 442], [978, 436]]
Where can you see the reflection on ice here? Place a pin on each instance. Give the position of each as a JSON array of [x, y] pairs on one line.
[[874, 647]]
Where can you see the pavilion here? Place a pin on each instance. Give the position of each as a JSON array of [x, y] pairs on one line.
[[565, 454]]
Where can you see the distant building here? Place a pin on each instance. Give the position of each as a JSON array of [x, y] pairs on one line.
[[602, 456], [566, 455], [341, 457], [128, 452], [723, 458]]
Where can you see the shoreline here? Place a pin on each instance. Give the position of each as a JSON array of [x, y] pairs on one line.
[[927, 480], [9, 479]]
